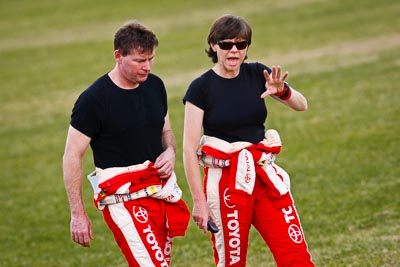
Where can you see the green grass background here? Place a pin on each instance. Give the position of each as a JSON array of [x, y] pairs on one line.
[[342, 154]]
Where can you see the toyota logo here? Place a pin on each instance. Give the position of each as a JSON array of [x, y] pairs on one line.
[[295, 233], [227, 198], [140, 214]]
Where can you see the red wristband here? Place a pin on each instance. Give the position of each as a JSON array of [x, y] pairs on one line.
[[286, 93], [281, 93]]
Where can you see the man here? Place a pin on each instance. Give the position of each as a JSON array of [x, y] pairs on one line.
[[123, 115]]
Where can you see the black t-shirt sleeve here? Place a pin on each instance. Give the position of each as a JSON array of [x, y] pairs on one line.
[[195, 93], [84, 115], [261, 67]]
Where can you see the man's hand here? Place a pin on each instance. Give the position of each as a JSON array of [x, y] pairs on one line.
[[275, 82], [165, 163], [81, 230]]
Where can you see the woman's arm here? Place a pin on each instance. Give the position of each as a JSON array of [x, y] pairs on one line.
[[296, 101], [275, 86], [191, 139]]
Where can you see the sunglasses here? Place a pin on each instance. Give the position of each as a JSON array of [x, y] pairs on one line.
[[228, 45]]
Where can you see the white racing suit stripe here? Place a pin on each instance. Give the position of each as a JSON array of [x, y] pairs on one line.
[[122, 218], [213, 199], [245, 172], [140, 231]]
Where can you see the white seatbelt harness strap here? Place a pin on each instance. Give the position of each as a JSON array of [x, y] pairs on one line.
[[118, 198]]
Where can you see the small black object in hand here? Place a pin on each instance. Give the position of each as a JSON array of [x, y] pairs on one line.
[[212, 227]]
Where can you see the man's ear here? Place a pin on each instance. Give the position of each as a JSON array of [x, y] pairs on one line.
[[117, 55]]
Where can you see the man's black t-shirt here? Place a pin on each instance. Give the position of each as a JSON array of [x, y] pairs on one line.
[[233, 108], [125, 126]]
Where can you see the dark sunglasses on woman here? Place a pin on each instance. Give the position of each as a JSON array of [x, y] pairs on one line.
[[224, 45]]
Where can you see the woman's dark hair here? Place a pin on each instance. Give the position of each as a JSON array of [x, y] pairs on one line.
[[227, 27], [133, 35]]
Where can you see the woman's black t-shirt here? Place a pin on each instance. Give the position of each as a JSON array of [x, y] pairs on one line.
[[233, 108], [125, 126]]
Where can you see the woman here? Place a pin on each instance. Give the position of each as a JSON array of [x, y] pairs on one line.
[[242, 184]]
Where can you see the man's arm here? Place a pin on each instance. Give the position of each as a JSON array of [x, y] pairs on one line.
[[168, 138], [75, 148], [165, 162]]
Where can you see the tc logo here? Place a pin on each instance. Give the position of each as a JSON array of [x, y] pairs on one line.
[[295, 233], [227, 199], [140, 214]]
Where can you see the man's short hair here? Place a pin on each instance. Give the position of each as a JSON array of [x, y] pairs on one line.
[[133, 35]]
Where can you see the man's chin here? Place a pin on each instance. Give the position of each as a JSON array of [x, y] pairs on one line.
[[142, 78]]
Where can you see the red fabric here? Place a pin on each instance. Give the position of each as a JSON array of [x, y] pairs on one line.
[[280, 227], [177, 213], [165, 219], [178, 216], [139, 228], [139, 180], [273, 215], [239, 197]]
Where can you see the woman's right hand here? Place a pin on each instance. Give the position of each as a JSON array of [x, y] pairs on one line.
[[201, 213]]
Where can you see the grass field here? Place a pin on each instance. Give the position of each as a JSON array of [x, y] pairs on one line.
[[343, 154]]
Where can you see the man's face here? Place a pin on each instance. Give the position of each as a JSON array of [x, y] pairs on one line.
[[135, 66]]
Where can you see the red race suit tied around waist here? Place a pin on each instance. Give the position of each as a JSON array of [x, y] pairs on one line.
[[121, 184], [248, 161]]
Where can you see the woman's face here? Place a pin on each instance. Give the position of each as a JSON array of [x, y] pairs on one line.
[[231, 54]]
